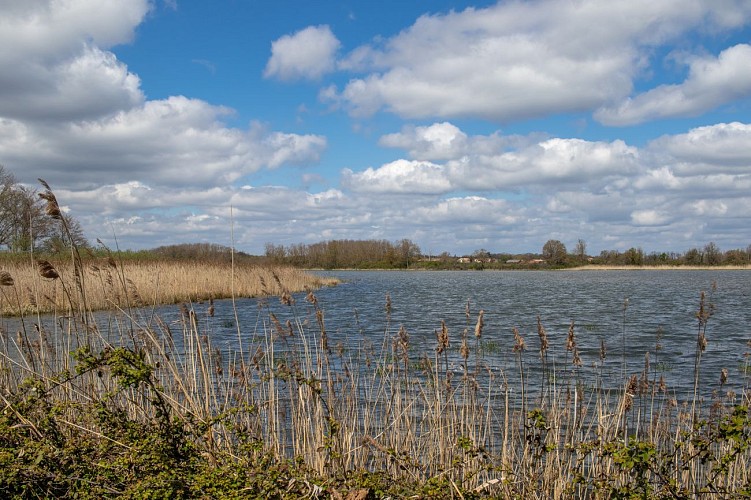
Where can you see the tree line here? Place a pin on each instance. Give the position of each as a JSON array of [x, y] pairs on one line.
[[337, 254], [25, 224], [708, 255], [382, 254]]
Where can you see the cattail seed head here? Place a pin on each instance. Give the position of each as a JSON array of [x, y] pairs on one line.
[[464, 349], [519, 345], [52, 208], [543, 336], [576, 360], [571, 340], [480, 324], [723, 376], [6, 279], [286, 299], [47, 270], [443, 338]]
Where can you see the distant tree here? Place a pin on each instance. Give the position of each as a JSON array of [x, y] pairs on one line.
[[634, 256], [408, 252], [712, 254], [737, 257], [481, 254], [580, 250], [554, 252], [611, 257], [693, 257], [275, 253], [25, 223], [62, 237]]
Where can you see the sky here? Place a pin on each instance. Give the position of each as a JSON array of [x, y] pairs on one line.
[[458, 125]]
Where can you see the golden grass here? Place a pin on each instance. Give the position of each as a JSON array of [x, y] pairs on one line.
[[108, 285]]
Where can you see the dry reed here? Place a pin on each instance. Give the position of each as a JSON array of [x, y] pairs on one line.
[[109, 284]]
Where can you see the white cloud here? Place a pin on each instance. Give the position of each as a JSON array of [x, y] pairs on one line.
[[711, 82], [440, 141], [178, 140], [468, 209], [522, 59], [54, 65], [723, 147], [400, 176], [553, 161], [307, 54], [649, 218]]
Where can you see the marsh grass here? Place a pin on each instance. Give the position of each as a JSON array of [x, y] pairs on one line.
[[109, 283], [126, 404]]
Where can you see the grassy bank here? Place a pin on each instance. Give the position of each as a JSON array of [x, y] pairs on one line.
[[107, 283]]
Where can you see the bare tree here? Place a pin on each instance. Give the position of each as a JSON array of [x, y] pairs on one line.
[[25, 222], [580, 250], [712, 254]]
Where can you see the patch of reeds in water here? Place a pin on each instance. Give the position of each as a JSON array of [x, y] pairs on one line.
[[109, 284]]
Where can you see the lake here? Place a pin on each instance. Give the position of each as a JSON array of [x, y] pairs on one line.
[[632, 312]]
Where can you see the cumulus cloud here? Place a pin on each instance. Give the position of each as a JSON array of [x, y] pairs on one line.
[[179, 141], [54, 64], [649, 218], [307, 54], [495, 162], [562, 186], [551, 162], [440, 141], [521, 59], [723, 147], [711, 82], [401, 176]]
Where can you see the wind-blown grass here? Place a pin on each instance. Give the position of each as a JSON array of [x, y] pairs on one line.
[[111, 284]]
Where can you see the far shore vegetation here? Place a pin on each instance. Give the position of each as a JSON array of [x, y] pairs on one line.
[[405, 254]]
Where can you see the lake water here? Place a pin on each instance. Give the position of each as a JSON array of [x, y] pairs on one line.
[[659, 300], [656, 301]]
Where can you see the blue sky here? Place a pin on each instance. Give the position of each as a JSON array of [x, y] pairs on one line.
[[459, 125]]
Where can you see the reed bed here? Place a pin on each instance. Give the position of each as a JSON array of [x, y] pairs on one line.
[[109, 284], [149, 407]]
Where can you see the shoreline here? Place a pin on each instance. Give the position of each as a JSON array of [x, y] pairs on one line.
[[591, 267], [656, 268]]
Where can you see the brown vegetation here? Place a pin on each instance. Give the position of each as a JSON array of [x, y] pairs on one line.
[[110, 284]]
